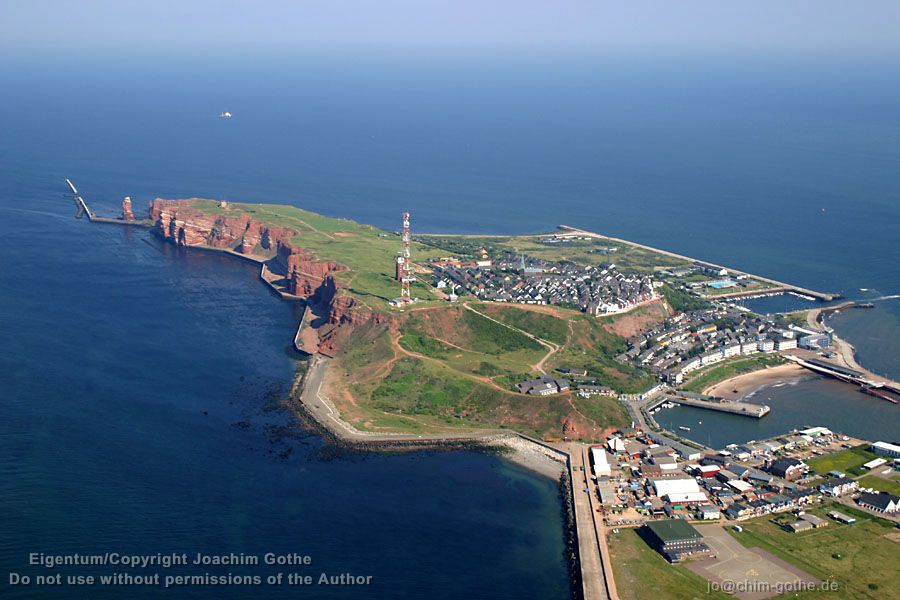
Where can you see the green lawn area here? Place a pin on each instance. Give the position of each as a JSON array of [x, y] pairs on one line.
[[642, 574], [730, 368], [860, 557], [846, 461], [891, 486]]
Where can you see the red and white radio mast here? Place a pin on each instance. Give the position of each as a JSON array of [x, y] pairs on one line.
[[404, 263]]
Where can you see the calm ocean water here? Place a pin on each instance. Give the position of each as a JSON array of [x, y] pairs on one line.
[[137, 378]]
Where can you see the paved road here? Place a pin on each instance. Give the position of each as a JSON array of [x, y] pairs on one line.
[[589, 548]]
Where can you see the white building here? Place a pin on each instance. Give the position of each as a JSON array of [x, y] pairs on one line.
[[740, 486], [886, 449], [749, 347], [785, 344], [707, 512], [731, 350], [875, 463], [670, 487], [765, 345], [616, 444], [601, 462], [711, 357]]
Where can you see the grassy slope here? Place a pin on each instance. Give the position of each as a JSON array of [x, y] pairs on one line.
[[846, 461], [855, 555], [593, 347], [450, 391], [545, 326], [424, 396], [642, 574]]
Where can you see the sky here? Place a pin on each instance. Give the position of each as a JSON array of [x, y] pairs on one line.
[[54, 28]]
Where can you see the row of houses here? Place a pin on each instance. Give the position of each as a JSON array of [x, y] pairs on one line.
[[695, 339]]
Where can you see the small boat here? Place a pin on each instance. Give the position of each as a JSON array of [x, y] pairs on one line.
[[699, 422], [684, 428], [224, 115]]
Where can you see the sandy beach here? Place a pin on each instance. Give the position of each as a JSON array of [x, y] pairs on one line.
[[739, 386], [532, 456]]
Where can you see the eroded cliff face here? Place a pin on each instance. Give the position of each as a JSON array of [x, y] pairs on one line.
[[305, 276], [181, 224], [343, 317]]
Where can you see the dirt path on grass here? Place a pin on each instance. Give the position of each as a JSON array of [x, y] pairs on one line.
[[552, 348], [395, 343]]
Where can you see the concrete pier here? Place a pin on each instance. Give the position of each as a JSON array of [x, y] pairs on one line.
[[745, 409]]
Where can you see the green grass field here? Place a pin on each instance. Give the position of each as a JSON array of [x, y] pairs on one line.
[[860, 557], [846, 461], [730, 368], [641, 573], [891, 486]]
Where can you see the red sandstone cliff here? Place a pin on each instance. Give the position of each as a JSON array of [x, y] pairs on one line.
[[305, 276]]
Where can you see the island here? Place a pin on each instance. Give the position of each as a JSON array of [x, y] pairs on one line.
[[560, 347]]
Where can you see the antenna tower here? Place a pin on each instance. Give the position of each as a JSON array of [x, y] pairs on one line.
[[405, 263]]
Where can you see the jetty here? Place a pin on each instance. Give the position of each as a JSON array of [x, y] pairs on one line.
[[82, 209], [744, 409], [80, 205]]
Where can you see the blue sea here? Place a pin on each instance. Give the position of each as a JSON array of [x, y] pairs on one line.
[[140, 381]]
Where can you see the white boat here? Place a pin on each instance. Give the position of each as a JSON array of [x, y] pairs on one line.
[[224, 115], [684, 428]]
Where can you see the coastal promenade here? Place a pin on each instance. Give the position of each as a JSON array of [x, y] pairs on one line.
[[592, 550]]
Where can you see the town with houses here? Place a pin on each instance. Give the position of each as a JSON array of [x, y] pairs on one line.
[[641, 480], [681, 496], [526, 280]]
